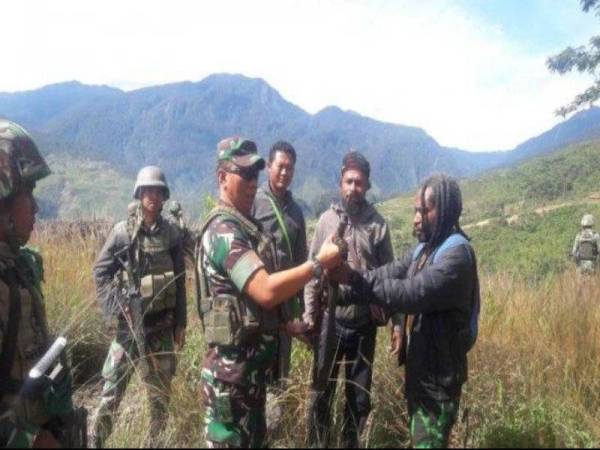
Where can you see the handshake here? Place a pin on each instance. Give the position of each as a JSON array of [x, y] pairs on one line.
[[333, 255]]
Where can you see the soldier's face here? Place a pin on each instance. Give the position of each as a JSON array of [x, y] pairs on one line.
[[23, 211], [281, 171], [152, 198], [425, 216], [353, 188], [239, 189]]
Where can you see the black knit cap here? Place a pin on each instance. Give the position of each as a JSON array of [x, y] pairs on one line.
[[357, 161]]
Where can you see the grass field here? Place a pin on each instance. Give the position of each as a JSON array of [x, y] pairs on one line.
[[534, 373]]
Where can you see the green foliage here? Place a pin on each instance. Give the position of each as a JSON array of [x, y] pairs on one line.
[[581, 59]]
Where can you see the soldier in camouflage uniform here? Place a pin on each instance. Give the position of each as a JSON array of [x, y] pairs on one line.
[[153, 250], [24, 422], [586, 247], [238, 296]]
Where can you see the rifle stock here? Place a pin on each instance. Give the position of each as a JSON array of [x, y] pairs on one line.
[[134, 303], [326, 355]]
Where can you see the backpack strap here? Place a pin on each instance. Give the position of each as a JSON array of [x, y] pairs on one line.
[[417, 252], [454, 240]]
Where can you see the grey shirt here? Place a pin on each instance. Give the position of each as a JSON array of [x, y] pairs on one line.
[[369, 247], [107, 266]]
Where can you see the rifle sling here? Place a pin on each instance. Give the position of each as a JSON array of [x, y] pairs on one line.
[[295, 302]]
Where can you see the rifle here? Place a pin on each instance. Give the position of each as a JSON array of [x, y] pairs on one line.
[[50, 374], [324, 362], [134, 303]]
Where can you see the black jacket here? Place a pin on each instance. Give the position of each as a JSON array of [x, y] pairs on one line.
[[441, 297]]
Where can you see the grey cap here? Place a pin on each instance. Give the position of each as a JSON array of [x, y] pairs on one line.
[[151, 176]]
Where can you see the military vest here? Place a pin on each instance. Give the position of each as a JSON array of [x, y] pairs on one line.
[[152, 259], [235, 319], [25, 339], [588, 248]]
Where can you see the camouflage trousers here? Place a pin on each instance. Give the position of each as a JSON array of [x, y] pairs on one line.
[[119, 366], [431, 422], [278, 383], [585, 269], [233, 384]]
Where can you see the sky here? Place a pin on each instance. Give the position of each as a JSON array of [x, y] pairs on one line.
[[471, 73]]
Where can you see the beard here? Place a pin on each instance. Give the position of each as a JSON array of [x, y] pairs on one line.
[[353, 205]]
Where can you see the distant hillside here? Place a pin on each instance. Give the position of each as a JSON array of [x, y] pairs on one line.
[[177, 126], [522, 220]]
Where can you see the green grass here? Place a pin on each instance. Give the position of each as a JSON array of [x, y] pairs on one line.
[[534, 372]]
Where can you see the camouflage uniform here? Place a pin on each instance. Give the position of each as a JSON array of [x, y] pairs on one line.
[[24, 334], [234, 376], [158, 256], [241, 336], [586, 248]]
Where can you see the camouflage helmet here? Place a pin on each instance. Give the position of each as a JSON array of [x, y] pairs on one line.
[[150, 176], [587, 220], [20, 160]]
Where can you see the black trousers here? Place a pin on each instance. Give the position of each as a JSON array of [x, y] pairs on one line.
[[355, 350]]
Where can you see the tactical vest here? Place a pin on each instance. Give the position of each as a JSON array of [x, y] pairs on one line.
[[235, 319], [157, 279], [25, 339], [588, 249]]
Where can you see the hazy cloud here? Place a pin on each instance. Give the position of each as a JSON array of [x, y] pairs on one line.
[[437, 65]]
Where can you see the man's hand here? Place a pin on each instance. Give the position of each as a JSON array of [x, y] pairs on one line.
[[395, 341], [298, 329], [329, 255], [179, 337]]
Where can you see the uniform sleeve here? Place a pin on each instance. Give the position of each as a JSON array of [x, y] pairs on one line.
[[178, 255], [105, 268], [313, 288], [231, 252]]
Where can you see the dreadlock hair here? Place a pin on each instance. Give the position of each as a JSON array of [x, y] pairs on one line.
[[446, 196]]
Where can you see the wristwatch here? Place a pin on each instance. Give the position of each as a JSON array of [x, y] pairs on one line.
[[317, 267]]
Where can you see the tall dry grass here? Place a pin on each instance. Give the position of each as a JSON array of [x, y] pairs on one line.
[[534, 373]]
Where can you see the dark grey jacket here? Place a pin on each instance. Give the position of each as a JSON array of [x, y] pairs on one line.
[[369, 246], [441, 296], [107, 266]]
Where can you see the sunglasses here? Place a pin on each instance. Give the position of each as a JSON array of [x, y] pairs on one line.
[[247, 173]]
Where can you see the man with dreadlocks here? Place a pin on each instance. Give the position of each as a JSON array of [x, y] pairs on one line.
[[437, 286]]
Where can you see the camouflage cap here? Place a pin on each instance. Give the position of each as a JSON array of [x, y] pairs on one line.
[[240, 151], [20, 160]]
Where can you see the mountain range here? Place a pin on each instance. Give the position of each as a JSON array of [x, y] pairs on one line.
[[107, 134]]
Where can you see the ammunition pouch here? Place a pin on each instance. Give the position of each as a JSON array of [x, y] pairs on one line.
[[228, 321], [157, 291], [225, 323]]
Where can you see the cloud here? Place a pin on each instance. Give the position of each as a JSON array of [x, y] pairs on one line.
[[428, 64]]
